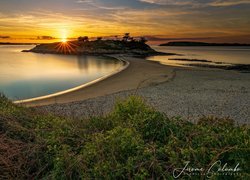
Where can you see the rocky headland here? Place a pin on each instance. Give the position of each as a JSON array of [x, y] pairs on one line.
[[97, 47]]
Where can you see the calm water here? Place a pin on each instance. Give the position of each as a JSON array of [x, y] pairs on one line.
[[28, 75], [228, 55]]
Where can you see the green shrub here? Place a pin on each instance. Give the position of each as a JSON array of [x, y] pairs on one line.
[[132, 142], [130, 107], [112, 154]]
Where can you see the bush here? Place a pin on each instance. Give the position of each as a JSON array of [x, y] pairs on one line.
[[132, 142], [112, 154]]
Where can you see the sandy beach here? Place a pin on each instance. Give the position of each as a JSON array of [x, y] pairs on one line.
[[190, 93], [138, 74]]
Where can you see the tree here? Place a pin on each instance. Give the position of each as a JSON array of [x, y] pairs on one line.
[[116, 37], [126, 37], [83, 39], [79, 38], [99, 38], [131, 39], [143, 40]]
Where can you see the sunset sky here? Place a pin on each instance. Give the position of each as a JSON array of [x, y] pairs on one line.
[[203, 20]]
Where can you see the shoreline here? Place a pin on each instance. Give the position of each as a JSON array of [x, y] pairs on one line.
[[190, 94], [136, 73], [30, 100]]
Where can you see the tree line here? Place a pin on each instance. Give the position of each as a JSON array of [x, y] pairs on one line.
[[126, 38]]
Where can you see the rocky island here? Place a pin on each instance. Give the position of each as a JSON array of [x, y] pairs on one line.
[[83, 46]]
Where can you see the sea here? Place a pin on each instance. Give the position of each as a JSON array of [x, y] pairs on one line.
[[218, 55], [28, 75]]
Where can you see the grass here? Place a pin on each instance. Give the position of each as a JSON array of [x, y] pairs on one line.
[[132, 142]]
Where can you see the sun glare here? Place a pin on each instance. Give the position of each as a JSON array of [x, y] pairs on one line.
[[64, 40], [64, 35]]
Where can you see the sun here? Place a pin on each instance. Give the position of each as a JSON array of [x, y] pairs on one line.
[[64, 40]]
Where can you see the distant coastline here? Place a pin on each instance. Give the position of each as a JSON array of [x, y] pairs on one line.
[[9, 43], [191, 43]]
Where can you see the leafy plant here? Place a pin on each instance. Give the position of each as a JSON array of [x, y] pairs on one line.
[[133, 142]]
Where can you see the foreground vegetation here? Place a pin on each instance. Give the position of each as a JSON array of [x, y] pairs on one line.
[[132, 142]]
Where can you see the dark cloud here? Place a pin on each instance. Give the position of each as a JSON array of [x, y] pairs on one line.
[[4, 37], [43, 38], [157, 38]]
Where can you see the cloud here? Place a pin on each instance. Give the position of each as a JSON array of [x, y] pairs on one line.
[[160, 38], [84, 1], [169, 2], [198, 3], [4, 37], [45, 37], [172, 18], [229, 2]]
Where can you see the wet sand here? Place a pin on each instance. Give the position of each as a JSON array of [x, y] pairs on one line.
[[140, 73], [192, 94]]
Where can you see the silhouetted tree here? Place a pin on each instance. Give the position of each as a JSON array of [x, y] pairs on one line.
[[79, 38], [126, 37], [99, 38], [116, 38], [143, 40], [83, 39], [131, 39]]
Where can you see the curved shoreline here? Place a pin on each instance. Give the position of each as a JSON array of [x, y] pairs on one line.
[[123, 67], [190, 94], [139, 73]]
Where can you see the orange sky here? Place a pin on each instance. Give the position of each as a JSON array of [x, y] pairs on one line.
[[162, 20]]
